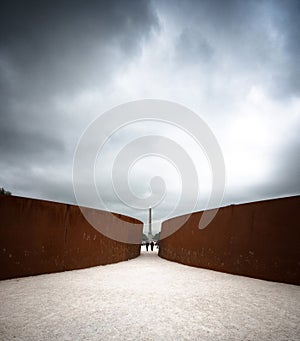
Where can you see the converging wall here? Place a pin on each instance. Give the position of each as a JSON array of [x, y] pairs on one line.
[[38, 236], [260, 239]]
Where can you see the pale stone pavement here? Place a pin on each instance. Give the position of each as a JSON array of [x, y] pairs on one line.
[[147, 298]]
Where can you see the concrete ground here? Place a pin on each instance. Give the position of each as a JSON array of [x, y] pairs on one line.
[[147, 298]]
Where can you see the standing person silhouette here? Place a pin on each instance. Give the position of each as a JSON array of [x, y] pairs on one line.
[[152, 245], [147, 245]]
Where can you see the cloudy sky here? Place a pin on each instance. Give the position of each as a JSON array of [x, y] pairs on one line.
[[234, 63]]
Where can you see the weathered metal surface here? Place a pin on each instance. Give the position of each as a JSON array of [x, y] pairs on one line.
[[259, 239], [38, 236]]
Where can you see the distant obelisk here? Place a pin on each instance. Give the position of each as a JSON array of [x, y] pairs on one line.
[[150, 224]]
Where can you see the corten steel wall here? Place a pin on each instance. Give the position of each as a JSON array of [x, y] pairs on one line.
[[260, 239], [38, 236]]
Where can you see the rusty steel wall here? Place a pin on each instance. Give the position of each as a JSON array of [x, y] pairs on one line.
[[38, 236], [259, 239]]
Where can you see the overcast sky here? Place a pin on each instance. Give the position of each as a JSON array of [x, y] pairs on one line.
[[234, 63]]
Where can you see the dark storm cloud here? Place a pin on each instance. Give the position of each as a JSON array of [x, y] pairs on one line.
[[288, 23], [193, 48], [57, 49], [51, 41], [260, 39]]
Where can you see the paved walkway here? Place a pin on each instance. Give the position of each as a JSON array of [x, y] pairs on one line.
[[147, 298]]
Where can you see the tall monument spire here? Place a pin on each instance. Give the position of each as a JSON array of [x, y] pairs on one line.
[[150, 236]]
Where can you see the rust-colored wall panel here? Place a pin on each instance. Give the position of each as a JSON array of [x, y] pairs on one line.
[[260, 239], [38, 236], [86, 247], [31, 236]]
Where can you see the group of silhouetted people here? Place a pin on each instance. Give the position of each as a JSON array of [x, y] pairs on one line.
[[151, 245]]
